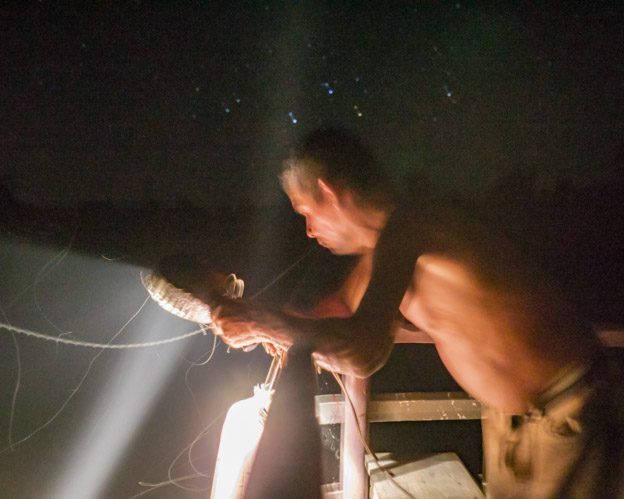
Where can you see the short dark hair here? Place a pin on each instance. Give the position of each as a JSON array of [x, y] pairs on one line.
[[339, 157]]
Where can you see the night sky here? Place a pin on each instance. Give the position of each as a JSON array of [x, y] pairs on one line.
[[136, 105]]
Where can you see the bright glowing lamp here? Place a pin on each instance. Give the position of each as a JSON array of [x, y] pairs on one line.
[[240, 435]]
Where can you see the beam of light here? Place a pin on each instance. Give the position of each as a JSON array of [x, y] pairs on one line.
[[240, 436], [109, 429]]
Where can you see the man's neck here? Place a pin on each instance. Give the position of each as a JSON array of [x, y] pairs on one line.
[[367, 222], [371, 222]]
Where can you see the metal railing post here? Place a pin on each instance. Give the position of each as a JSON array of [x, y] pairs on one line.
[[353, 476]]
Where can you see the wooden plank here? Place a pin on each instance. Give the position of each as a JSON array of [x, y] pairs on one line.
[[410, 406], [423, 406], [610, 337], [439, 476]]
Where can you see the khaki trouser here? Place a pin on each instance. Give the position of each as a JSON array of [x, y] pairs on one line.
[[571, 445]]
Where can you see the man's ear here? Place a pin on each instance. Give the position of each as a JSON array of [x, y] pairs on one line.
[[329, 192]]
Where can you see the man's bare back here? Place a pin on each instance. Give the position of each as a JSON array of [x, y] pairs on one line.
[[494, 346]]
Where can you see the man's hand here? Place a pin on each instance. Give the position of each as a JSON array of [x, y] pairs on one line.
[[241, 325]]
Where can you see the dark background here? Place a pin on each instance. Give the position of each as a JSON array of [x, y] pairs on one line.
[[128, 132]]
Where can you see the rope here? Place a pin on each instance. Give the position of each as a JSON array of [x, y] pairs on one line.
[[90, 344]]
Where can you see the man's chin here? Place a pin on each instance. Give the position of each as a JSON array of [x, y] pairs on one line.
[[335, 250], [327, 246]]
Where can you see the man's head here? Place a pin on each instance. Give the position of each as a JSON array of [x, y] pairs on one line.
[[334, 181]]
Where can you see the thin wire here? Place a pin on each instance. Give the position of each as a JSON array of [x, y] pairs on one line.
[[196, 364], [18, 381], [190, 453], [282, 274], [39, 280], [175, 481], [48, 267], [203, 328], [365, 443], [103, 346], [154, 486], [53, 262], [15, 390], [189, 450], [80, 383]]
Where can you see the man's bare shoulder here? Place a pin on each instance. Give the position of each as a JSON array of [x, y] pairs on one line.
[[461, 236]]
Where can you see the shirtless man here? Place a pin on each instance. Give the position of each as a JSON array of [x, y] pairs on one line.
[[503, 331]]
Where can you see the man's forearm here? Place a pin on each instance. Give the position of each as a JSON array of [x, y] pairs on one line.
[[345, 345]]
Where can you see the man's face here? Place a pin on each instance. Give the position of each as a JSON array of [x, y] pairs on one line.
[[326, 221]]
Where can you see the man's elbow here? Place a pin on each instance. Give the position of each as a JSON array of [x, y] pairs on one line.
[[359, 355], [364, 371], [356, 364], [365, 365]]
